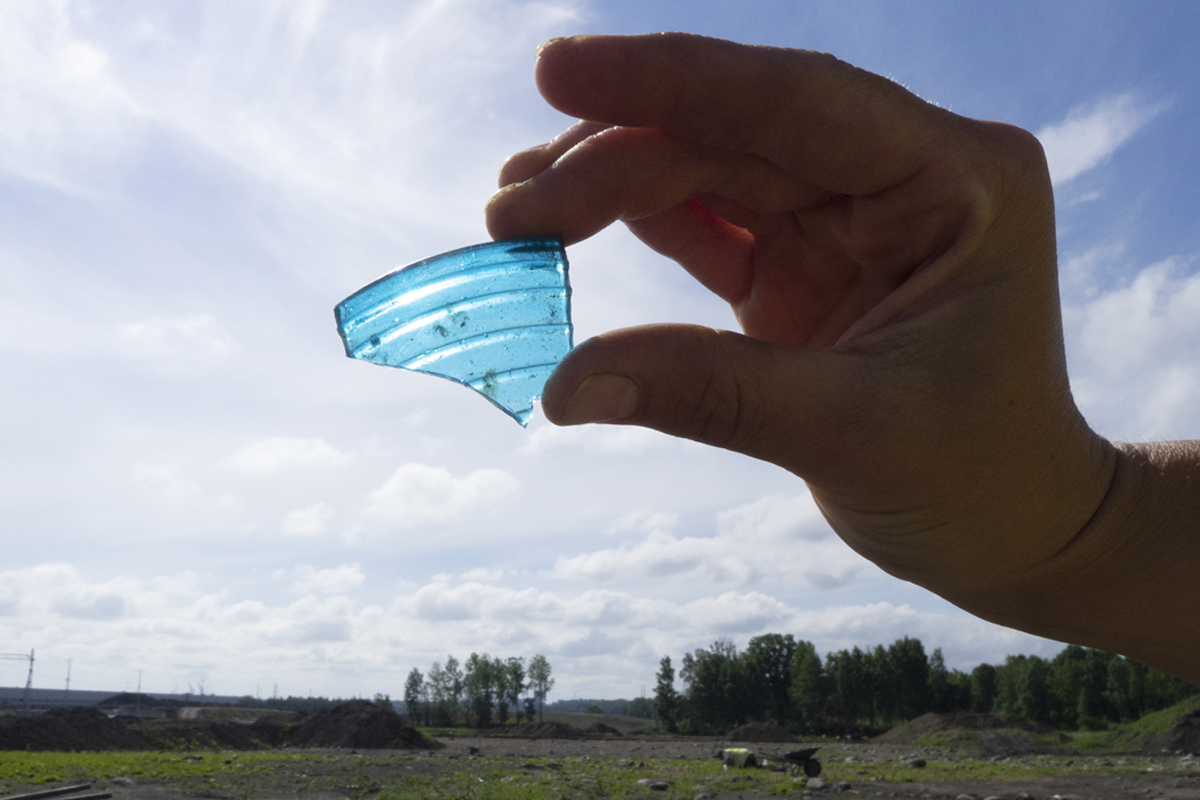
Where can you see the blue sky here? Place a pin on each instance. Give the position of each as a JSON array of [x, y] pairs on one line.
[[194, 481]]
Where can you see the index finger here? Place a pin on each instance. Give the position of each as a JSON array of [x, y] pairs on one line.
[[822, 120]]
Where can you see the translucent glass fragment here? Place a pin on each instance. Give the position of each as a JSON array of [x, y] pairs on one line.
[[495, 317]]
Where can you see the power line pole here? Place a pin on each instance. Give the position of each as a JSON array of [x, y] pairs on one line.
[[28, 681], [67, 691]]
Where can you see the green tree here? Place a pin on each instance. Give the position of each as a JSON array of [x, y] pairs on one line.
[[540, 682], [807, 688], [666, 699], [479, 681], [941, 693], [851, 679], [642, 707], [770, 661], [908, 678], [983, 688], [515, 683], [412, 693], [720, 692], [454, 686], [1065, 686], [1092, 704], [500, 678]]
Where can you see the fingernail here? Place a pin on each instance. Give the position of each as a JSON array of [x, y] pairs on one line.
[[547, 43], [601, 398]]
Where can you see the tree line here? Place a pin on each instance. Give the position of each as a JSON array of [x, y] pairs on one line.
[[859, 691], [467, 694]]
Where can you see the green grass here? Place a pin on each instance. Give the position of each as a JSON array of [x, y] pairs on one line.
[[1126, 737], [416, 776], [1162, 721], [30, 768]]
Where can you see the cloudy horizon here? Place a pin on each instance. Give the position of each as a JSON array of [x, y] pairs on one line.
[[197, 485]]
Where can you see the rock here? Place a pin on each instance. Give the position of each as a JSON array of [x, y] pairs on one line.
[[122, 781], [814, 783], [919, 763], [624, 762], [1024, 796], [993, 797], [966, 797], [842, 786], [850, 760], [654, 784]]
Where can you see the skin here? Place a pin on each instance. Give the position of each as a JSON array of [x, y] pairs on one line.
[[893, 269]]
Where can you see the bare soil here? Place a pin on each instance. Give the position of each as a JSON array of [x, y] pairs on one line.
[[339, 773]]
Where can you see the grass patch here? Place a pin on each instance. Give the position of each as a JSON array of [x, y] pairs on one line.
[[419, 776], [31, 769]]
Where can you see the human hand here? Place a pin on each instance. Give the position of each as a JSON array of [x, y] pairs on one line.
[[893, 268]]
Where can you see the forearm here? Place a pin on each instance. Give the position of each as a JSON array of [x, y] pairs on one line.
[[1127, 582]]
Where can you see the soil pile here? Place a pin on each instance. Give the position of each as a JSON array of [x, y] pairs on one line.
[[929, 724], [541, 730], [87, 728], [761, 732], [66, 729], [359, 723], [600, 729], [1185, 734]]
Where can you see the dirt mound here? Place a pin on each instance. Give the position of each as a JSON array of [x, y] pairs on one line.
[[66, 729], [600, 729], [541, 730], [761, 732], [1185, 734], [89, 729], [359, 723], [929, 724]]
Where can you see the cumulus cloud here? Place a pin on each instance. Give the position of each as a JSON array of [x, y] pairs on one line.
[[329, 642], [308, 521], [1091, 134], [167, 482], [418, 495], [338, 580], [770, 537], [282, 452], [1132, 354], [605, 439], [54, 84], [185, 344]]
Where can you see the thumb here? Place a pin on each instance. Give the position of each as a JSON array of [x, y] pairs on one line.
[[716, 387]]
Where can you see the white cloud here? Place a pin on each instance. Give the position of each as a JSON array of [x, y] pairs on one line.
[[337, 580], [167, 482], [605, 439], [1132, 352], [770, 537], [418, 495], [283, 452], [602, 639], [185, 344], [53, 85], [308, 521], [1091, 134], [644, 520]]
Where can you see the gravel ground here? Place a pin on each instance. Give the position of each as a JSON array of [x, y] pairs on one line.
[[339, 774]]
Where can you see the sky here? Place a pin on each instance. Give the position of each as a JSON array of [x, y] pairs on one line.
[[198, 488]]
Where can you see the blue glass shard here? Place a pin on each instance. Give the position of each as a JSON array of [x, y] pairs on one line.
[[495, 317]]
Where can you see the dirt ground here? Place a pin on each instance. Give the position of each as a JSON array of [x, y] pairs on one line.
[[340, 773]]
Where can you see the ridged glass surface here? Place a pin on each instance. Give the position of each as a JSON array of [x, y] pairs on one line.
[[495, 317]]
